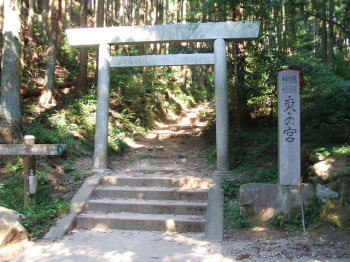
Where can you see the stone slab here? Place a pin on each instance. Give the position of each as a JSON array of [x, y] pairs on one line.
[[183, 182], [146, 206], [151, 193], [268, 200], [239, 30], [148, 222], [325, 194]]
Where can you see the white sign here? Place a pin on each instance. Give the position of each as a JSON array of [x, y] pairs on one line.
[[289, 127], [32, 150]]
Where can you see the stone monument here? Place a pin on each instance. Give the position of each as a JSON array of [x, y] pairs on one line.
[[289, 127]]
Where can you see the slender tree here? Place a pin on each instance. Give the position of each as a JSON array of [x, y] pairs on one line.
[[30, 19], [47, 97], [82, 78], [10, 115]]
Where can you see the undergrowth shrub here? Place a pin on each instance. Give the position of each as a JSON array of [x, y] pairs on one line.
[[41, 212]]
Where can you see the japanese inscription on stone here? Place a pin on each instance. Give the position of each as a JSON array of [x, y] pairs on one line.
[[289, 127]]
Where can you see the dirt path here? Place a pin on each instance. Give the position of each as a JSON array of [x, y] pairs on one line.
[[177, 143]]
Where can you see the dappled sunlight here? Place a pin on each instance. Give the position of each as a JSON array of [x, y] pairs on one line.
[[60, 251], [258, 229], [267, 213], [170, 225], [126, 246], [119, 257]]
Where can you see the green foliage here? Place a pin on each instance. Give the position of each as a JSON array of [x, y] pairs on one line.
[[312, 214], [342, 66], [232, 216], [46, 134], [255, 158], [260, 80], [324, 97], [14, 167], [325, 102], [69, 55], [117, 140], [343, 150], [41, 212]]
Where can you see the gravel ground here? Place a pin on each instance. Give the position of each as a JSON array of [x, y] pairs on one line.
[[271, 245]]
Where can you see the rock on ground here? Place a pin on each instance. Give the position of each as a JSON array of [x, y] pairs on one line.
[[11, 230]]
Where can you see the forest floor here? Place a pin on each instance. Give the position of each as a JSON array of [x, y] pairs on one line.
[[190, 151]]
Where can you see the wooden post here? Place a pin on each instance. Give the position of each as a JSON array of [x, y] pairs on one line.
[[29, 169]]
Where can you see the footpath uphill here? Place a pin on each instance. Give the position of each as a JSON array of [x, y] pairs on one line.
[[150, 207], [158, 185]]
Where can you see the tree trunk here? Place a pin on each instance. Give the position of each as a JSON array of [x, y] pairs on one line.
[[30, 20], [68, 11], [331, 38], [324, 36], [10, 117], [59, 28], [99, 23], [46, 16], [47, 99], [100, 13], [82, 78], [284, 31], [1, 14], [122, 13]]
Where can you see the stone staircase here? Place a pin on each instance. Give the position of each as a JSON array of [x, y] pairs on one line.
[[155, 193], [147, 203]]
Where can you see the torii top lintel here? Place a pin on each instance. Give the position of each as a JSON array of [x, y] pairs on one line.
[[238, 31]]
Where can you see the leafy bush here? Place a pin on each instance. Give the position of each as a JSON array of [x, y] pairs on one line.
[[41, 212], [232, 216], [324, 98], [312, 213], [324, 102]]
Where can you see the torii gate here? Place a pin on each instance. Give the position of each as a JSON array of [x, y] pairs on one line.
[[218, 32]]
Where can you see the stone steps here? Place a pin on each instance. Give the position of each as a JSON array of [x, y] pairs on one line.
[[180, 127], [134, 221], [155, 192], [161, 203], [181, 182], [146, 206], [170, 193], [168, 134], [153, 164]]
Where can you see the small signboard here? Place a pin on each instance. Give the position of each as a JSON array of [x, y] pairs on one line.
[[289, 127], [32, 150]]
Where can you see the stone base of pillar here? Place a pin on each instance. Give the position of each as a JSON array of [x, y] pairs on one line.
[[214, 227]]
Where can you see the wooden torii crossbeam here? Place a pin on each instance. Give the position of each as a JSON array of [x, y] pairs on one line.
[[217, 32]]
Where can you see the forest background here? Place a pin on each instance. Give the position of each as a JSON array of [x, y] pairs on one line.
[[48, 89]]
